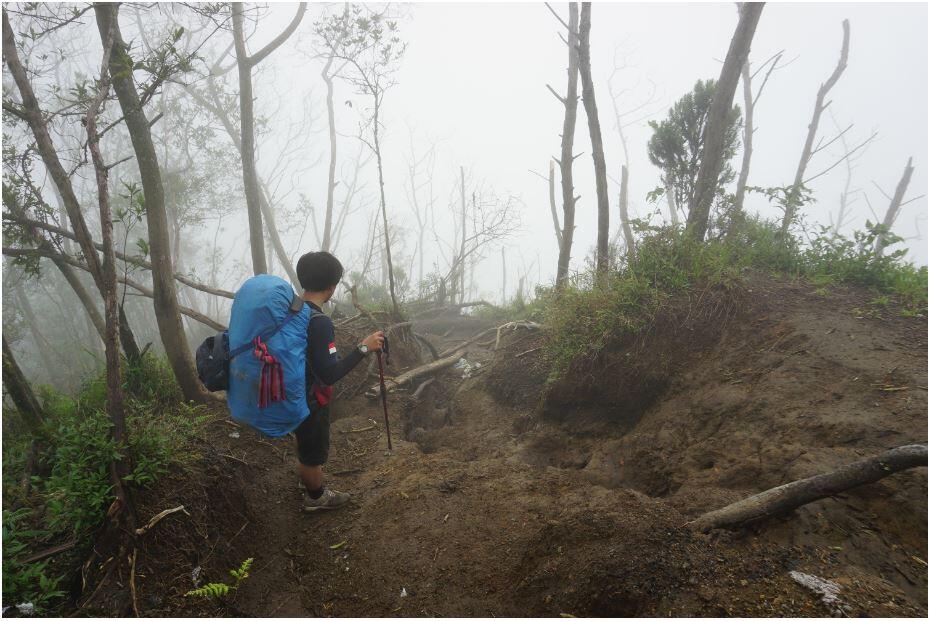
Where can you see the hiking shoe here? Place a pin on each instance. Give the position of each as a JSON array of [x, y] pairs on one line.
[[330, 499]]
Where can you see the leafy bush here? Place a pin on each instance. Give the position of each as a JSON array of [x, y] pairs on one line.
[[588, 312], [22, 582], [71, 496]]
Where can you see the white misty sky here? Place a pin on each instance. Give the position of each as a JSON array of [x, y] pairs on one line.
[[473, 78]]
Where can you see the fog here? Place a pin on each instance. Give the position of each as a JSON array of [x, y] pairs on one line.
[[470, 92], [473, 82]]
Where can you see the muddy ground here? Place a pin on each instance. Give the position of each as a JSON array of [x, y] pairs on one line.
[[507, 496]]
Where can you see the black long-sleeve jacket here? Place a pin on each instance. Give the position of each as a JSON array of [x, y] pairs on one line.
[[323, 363]]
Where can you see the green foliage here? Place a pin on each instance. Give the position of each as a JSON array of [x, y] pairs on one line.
[[25, 582], [71, 496], [676, 145], [589, 313], [213, 589], [219, 590], [585, 315]]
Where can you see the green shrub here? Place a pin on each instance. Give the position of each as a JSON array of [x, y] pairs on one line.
[[588, 312], [71, 498], [25, 582]]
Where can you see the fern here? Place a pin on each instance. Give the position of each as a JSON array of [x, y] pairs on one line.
[[214, 589], [219, 590], [241, 573]]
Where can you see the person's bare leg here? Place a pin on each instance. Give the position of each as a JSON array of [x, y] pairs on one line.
[[312, 477]]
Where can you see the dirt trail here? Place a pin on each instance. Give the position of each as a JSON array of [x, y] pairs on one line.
[[488, 506]]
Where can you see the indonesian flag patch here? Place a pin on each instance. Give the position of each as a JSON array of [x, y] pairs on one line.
[[332, 349]]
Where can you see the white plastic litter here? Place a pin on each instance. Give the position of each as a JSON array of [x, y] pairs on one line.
[[465, 367], [403, 592], [828, 590], [195, 575], [234, 434], [26, 609]]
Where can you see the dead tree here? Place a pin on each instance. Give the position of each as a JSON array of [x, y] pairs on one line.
[[894, 208], [639, 111], [332, 43], [552, 204], [786, 498], [15, 384], [624, 211], [596, 141], [712, 162], [245, 64], [420, 211], [808, 149], [566, 163], [32, 114], [167, 311], [750, 100], [371, 59], [460, 286]]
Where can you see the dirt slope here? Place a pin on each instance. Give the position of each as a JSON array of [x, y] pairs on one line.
[[496, 502]]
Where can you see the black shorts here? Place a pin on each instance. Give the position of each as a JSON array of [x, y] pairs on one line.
[[313, 438]]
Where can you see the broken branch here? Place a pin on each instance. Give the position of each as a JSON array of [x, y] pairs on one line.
[[788, 497]]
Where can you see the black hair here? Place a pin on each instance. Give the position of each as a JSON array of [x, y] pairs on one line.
[[317, 271]]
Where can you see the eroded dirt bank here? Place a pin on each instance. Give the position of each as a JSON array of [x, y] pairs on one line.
[[504, 498]]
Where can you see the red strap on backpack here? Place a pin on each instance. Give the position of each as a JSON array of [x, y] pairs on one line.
[[271, 386]]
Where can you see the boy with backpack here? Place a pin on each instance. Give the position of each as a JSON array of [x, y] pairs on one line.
[[319, 274]]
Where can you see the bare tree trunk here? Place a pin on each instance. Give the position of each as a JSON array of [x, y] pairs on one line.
[[747, 130], [62, 181], [461, 251], [165, 296], [569, 200], [785, 498], [380, 180], [712, 162], [21, 392], [247, 125], [247, 151], [672, 205], [807, 153], [596, 142], [894, 208], [119, 464], [264, 198], [624, 212], [552, 204], [330, 185], [503, 268]]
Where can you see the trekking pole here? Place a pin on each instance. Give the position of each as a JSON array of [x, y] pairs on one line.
[[380, 369]]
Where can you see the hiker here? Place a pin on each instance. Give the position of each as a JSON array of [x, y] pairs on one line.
[[319, 274]]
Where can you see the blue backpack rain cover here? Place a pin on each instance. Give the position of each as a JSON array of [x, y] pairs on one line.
[[260, 305]]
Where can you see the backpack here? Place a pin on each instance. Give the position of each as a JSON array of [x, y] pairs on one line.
[[213, 355], [266, 387]]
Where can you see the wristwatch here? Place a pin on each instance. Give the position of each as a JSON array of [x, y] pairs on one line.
[[363, 349]]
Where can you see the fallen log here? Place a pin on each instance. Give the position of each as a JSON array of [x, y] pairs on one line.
[[438, 310], [449, 351], [391, 384], [788, 497]]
